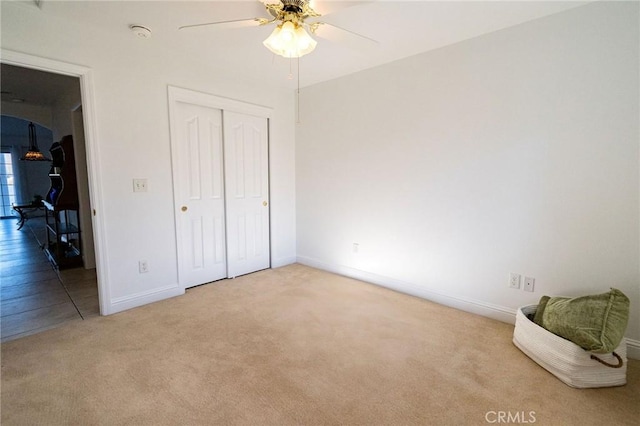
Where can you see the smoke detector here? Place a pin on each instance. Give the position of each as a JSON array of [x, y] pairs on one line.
[[140, 31]]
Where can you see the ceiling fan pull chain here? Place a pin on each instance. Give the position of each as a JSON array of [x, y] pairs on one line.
[[298, 95]]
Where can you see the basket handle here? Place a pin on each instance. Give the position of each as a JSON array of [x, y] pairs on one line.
[[620, 362]]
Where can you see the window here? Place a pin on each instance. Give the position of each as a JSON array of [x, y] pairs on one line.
[[7, 184]]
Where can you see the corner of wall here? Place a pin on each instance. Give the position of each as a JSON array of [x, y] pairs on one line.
[[499, 313]]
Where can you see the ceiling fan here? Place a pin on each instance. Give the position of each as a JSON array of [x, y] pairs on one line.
[[290, 38]]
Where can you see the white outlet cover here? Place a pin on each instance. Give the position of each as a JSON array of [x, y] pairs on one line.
[[514, 280], [529, 284], [140, 185]]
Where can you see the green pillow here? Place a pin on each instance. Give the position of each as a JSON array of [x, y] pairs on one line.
[[596, 323]]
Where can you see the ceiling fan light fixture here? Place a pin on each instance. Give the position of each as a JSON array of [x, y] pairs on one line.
[[287, 32], [305, 42], [290, 41]]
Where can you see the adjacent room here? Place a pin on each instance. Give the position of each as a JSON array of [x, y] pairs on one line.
[[48, 269], [340, 231]]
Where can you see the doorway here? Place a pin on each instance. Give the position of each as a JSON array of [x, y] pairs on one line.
[[84, 77]]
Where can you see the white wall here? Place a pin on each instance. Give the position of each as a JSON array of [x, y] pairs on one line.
[[82, 174], [516, 151], [61, 112], [130, 79]]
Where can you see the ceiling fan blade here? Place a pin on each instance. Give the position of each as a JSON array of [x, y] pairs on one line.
[[338, 34], [233, 23], [272, 11], [324, 7]]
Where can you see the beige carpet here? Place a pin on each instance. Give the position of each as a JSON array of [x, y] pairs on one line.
[[292, 346]]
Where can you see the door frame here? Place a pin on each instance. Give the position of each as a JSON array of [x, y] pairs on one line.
[[87, 97], [178, 94]]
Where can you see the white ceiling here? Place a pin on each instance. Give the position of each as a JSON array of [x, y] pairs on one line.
[[23, 85], [402, 28]]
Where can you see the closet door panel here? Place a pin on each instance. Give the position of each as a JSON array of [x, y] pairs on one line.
[[247, 195], [199, 186]]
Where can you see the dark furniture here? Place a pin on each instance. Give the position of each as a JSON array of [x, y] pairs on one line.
[[64, 247], [23, 209]]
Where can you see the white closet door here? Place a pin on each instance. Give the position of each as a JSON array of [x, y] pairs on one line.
[[199, 186], [247, 193]]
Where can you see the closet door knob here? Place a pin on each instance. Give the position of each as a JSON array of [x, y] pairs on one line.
[[183, 208], [264, 203]]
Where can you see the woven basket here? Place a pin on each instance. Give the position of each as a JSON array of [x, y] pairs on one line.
[[566, 360]]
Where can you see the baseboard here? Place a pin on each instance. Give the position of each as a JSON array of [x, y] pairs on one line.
[[133, 301], [633, 348], [478, 307], [500, 313], [283, 261]]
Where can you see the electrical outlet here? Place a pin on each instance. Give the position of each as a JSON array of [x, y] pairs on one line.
[[529, 283], [356, 247], [139, 185], [514, 280], [143, 267]]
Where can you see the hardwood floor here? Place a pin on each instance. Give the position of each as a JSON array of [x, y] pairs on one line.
[[33, 296]]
